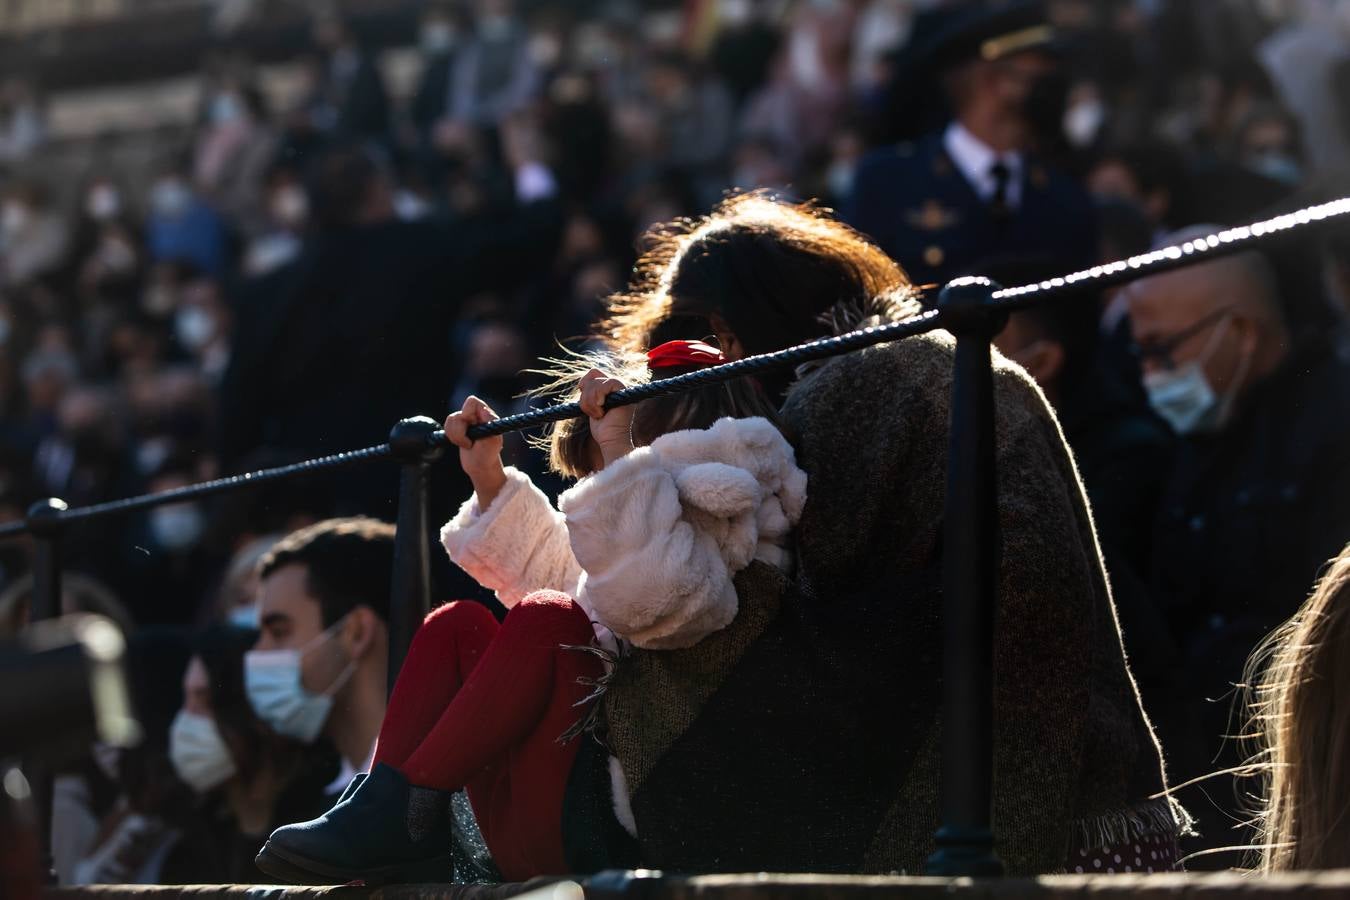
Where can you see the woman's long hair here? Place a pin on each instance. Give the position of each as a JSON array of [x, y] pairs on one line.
[[1299, 701], [773, 270]]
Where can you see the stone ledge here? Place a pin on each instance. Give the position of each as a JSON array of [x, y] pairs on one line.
[[650, 886]]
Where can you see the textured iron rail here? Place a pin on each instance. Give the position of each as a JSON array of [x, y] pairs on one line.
[[205, 488]]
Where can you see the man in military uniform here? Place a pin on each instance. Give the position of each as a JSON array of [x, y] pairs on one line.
[[977, 190]]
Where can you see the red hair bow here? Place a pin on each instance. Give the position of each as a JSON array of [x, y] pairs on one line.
[[683, 353]]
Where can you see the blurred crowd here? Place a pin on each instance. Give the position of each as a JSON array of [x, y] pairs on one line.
[[296, 276]]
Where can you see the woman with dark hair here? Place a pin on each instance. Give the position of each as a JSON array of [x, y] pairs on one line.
[[837, 669], [248, 779]]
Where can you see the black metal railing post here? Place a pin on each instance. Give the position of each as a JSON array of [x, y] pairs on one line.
[[965, 840], [44, 523], [410, 591]]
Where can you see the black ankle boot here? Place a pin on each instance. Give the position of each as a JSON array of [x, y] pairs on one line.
[[384, 831]]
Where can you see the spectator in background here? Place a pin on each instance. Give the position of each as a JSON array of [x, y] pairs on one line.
[[977, 190], [48, 374], [84, 456], [237, 599], [1267, 142], [693, 125], [201, 326], [285, 218], [106, 251], [1259, 493], [1151, 175], [320, 666], [440, 39], [349, 100], [234, 148], [34, 237], [248, 780], [494, 75], [23, 125], [166, 563], [182, 226], [1301, 58]]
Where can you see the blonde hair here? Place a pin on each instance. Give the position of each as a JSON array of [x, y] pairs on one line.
[[1299, 702]]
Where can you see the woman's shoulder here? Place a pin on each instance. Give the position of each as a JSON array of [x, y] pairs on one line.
[[905, 380]]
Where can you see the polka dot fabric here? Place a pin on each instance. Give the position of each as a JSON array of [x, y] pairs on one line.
[[1149, 853]]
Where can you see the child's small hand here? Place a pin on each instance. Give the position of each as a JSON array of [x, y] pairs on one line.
[[480, 459], [611, 429]]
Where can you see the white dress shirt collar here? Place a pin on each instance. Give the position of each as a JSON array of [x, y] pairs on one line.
[[974, 158]]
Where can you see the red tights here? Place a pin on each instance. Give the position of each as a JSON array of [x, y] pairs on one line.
[[481, 706]]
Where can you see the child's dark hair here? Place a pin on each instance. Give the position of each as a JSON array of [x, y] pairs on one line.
[[570, 449]]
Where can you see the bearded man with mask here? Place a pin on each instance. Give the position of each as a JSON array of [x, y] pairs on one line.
[[320, 665], [978, 189], [1258, 497]]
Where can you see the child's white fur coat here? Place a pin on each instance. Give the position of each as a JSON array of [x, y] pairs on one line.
[[649, 545]]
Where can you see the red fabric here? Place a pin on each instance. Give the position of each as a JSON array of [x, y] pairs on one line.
[[505, 695], [683, 353]]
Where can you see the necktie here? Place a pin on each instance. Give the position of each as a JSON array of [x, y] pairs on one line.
[[998, 202]]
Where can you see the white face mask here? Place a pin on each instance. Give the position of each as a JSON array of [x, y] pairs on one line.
[[14, 218], [272, 681], [290, 205], [103, 202], [437, 37], [194, 327], [198, 752], [170, 198], [1083, 121], [225, 108], [1185, 398], [177, 526]]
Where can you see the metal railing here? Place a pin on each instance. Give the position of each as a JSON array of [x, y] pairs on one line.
[[972, 309]]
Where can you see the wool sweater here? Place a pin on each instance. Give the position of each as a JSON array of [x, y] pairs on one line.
[[806, 735], [649, 545]]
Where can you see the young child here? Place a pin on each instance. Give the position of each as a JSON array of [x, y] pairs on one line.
[[675, 496]]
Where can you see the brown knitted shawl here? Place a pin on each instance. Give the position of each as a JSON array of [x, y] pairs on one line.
[[709, 742]]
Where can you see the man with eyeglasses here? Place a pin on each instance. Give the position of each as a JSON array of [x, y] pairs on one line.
[[1259, 493]]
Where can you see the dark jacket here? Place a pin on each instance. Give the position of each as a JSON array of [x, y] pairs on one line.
[[1250, 514], [914, 203], [805, 737]]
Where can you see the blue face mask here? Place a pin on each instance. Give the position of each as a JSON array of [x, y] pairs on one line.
[[272, 680], [1184, 398], [244, 617]]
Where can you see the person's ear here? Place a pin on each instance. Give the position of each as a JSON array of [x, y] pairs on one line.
[[1043, 360], [360, 632], [727, 342]]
